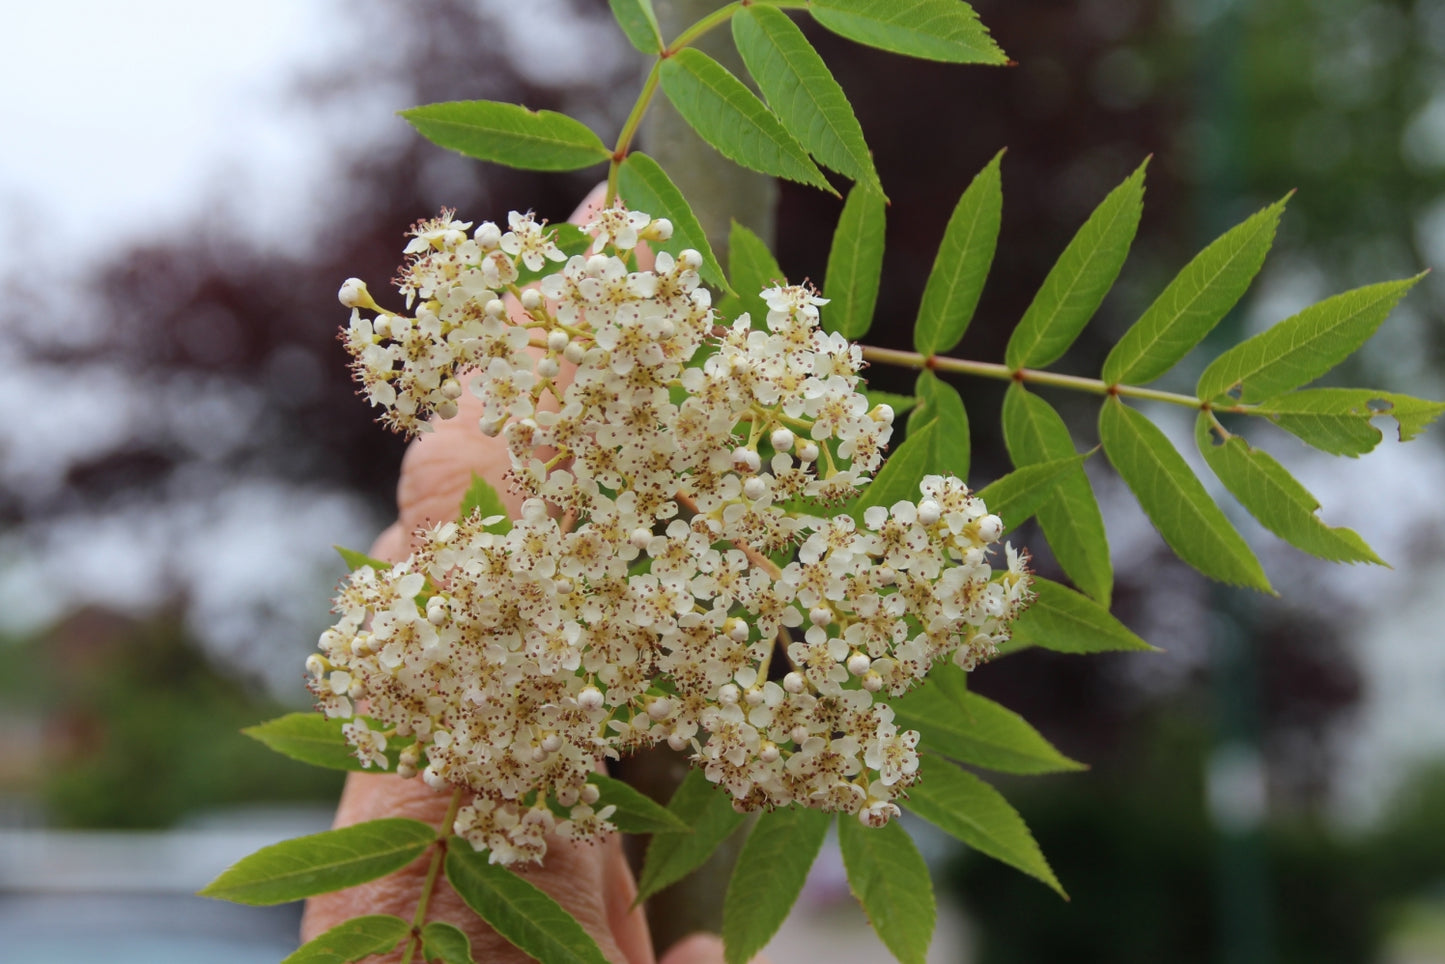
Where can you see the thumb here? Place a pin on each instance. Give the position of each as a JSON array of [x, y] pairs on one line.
[[437, 468], [701, 948]]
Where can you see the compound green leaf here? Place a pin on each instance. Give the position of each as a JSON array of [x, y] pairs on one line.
[[752, 268], [527, 917], [950, 448], [768, 877], [1302, 347], [855, 262], [509, 134], [731, 118], [447, 943], [646, 187], [1080, 278], [802, 92], [965, 807], [672, 856], [975, 730], [639, 22], [1274, 497], [949, 679], [1194, 302], [1174, 499], [1337, 420], [900, 475], [351, 941], [1070, 519], [482, 499], [316, 739], [1065, 621], [636, 812], [961, 266], [355, 560], [944, 30], [1017, 496], [322, 862], [888, 876]]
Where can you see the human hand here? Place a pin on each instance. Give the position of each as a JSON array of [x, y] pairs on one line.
[[592, 882]]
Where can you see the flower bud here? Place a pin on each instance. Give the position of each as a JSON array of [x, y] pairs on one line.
[[808, 452], [728, 694], [548, 368], [660, 708], [768, 752], [574, 352], [353, 294], [590, 698], [858, 664], [929, 512], [782, 439], [551, 743], [531, 299], [488, 236], [496, 308], [746, 460], [872, 682], [437, 610], [755, 488], [557, 340], [794, 683], [590, 793], [990, 527], [820, 615]]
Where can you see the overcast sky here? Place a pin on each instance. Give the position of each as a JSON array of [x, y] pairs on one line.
[[117, 117]]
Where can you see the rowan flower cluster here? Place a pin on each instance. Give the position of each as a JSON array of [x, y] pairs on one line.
[[681, 572]]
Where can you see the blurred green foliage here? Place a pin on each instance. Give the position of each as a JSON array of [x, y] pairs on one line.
[[1136, 848], [138, 729]]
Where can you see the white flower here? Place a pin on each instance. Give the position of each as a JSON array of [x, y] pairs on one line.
[[634, 601]]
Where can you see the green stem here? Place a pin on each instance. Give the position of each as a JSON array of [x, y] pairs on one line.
[[1033, 376], [433, 872], [629, 128], [689, 36], [649, 87]]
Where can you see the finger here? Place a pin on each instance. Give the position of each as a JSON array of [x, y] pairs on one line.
[[701, 948], [591, 882], [437, 468], [575, 875], [627, 922]]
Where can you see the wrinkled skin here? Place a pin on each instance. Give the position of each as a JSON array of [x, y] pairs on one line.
[[592, 881]]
